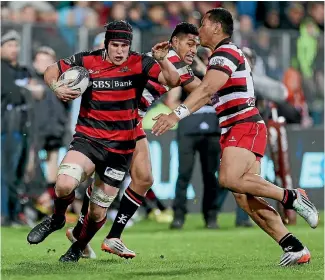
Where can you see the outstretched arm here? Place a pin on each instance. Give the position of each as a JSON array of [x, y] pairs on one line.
[[211, 83], [169, 75]]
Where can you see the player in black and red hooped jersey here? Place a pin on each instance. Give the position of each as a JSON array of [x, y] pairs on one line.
[[105, 136], [184, 42], [229, 86]]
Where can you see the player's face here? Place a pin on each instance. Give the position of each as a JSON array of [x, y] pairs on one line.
[[206, 30], [186, 47], [118, 52]]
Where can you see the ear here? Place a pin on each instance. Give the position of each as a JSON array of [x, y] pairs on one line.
[[217, 28], [175, 40]]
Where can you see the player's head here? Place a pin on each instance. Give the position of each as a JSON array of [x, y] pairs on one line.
[[216, 25], [250, 56], [10, 46], [185, 40], [118, 40], [44, 57]]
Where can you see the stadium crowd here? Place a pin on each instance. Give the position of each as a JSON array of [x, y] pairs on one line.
[[257, 25]]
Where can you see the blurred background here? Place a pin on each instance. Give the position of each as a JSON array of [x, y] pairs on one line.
[[287, 37]]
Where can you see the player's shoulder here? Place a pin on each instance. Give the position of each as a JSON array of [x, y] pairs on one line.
[[230, 48]]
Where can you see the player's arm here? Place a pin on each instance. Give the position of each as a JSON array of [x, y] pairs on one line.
[[190, 87], [221, 66], [54, 71], [168, 75]]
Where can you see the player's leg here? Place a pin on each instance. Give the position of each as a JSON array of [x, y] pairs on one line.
[[132, 199], [101, 198], [73, 233], [238, 160], [75, 167], [268, 219]]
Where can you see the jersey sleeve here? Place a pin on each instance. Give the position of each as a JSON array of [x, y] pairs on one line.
[[185, 72], [150, 67], [225, 60], [74, 60]]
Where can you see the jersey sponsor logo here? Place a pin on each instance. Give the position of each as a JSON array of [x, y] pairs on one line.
[[217, 61], [111, 84], [93, 71], [114, 174]]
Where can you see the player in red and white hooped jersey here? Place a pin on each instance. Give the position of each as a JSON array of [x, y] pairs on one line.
[[105, 133], [184, 42], [228, 85]]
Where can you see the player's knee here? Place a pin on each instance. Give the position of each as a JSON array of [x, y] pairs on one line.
[[225, 180], [145, 181], [65, 185], [241, 200]]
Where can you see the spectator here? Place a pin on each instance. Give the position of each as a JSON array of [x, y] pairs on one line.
[[307, 46], [174, 13], [101, 10], [117, 12], [293, 81], [136, 17], [316, 11], [28, 14], [16, 104], [247, 8], [246, 30], [272, 19], [157, 16], [295, 14]]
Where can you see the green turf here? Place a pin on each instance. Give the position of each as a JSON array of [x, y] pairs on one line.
[[193, 253]]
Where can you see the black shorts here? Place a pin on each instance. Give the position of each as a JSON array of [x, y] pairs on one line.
[[110, 167]]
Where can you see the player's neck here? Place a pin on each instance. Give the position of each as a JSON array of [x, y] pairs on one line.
[[217, 41]]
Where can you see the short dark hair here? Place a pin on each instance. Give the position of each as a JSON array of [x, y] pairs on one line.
[[224, 17], [184, 28]]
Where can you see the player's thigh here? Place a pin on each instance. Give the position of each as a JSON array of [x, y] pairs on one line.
[[141, 170], [76, 166], [112, 168], [234, 164]]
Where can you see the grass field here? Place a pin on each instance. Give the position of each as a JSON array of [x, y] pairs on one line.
[[193, 253]]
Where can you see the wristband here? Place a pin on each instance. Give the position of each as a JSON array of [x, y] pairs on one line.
[[182, 111]]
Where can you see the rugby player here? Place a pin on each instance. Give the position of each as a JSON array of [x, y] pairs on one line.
[[105, 136], [184, 42], [229, 87]]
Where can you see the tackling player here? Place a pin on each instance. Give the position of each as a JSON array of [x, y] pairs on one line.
[[184, 42], [105, 136], [228, 84]]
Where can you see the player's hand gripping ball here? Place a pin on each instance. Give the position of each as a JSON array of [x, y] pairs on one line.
[[71, 84]]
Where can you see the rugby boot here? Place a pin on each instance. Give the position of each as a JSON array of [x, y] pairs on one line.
[[88, 253], [295, 258], [43, 230], [73, 254], [305, 208], [116, 246]]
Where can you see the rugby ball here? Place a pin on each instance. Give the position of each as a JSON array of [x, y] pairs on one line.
[[77, 78]]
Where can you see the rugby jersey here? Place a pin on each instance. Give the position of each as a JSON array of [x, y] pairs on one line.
[[109, 107], [154, 90], [235, 101]]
